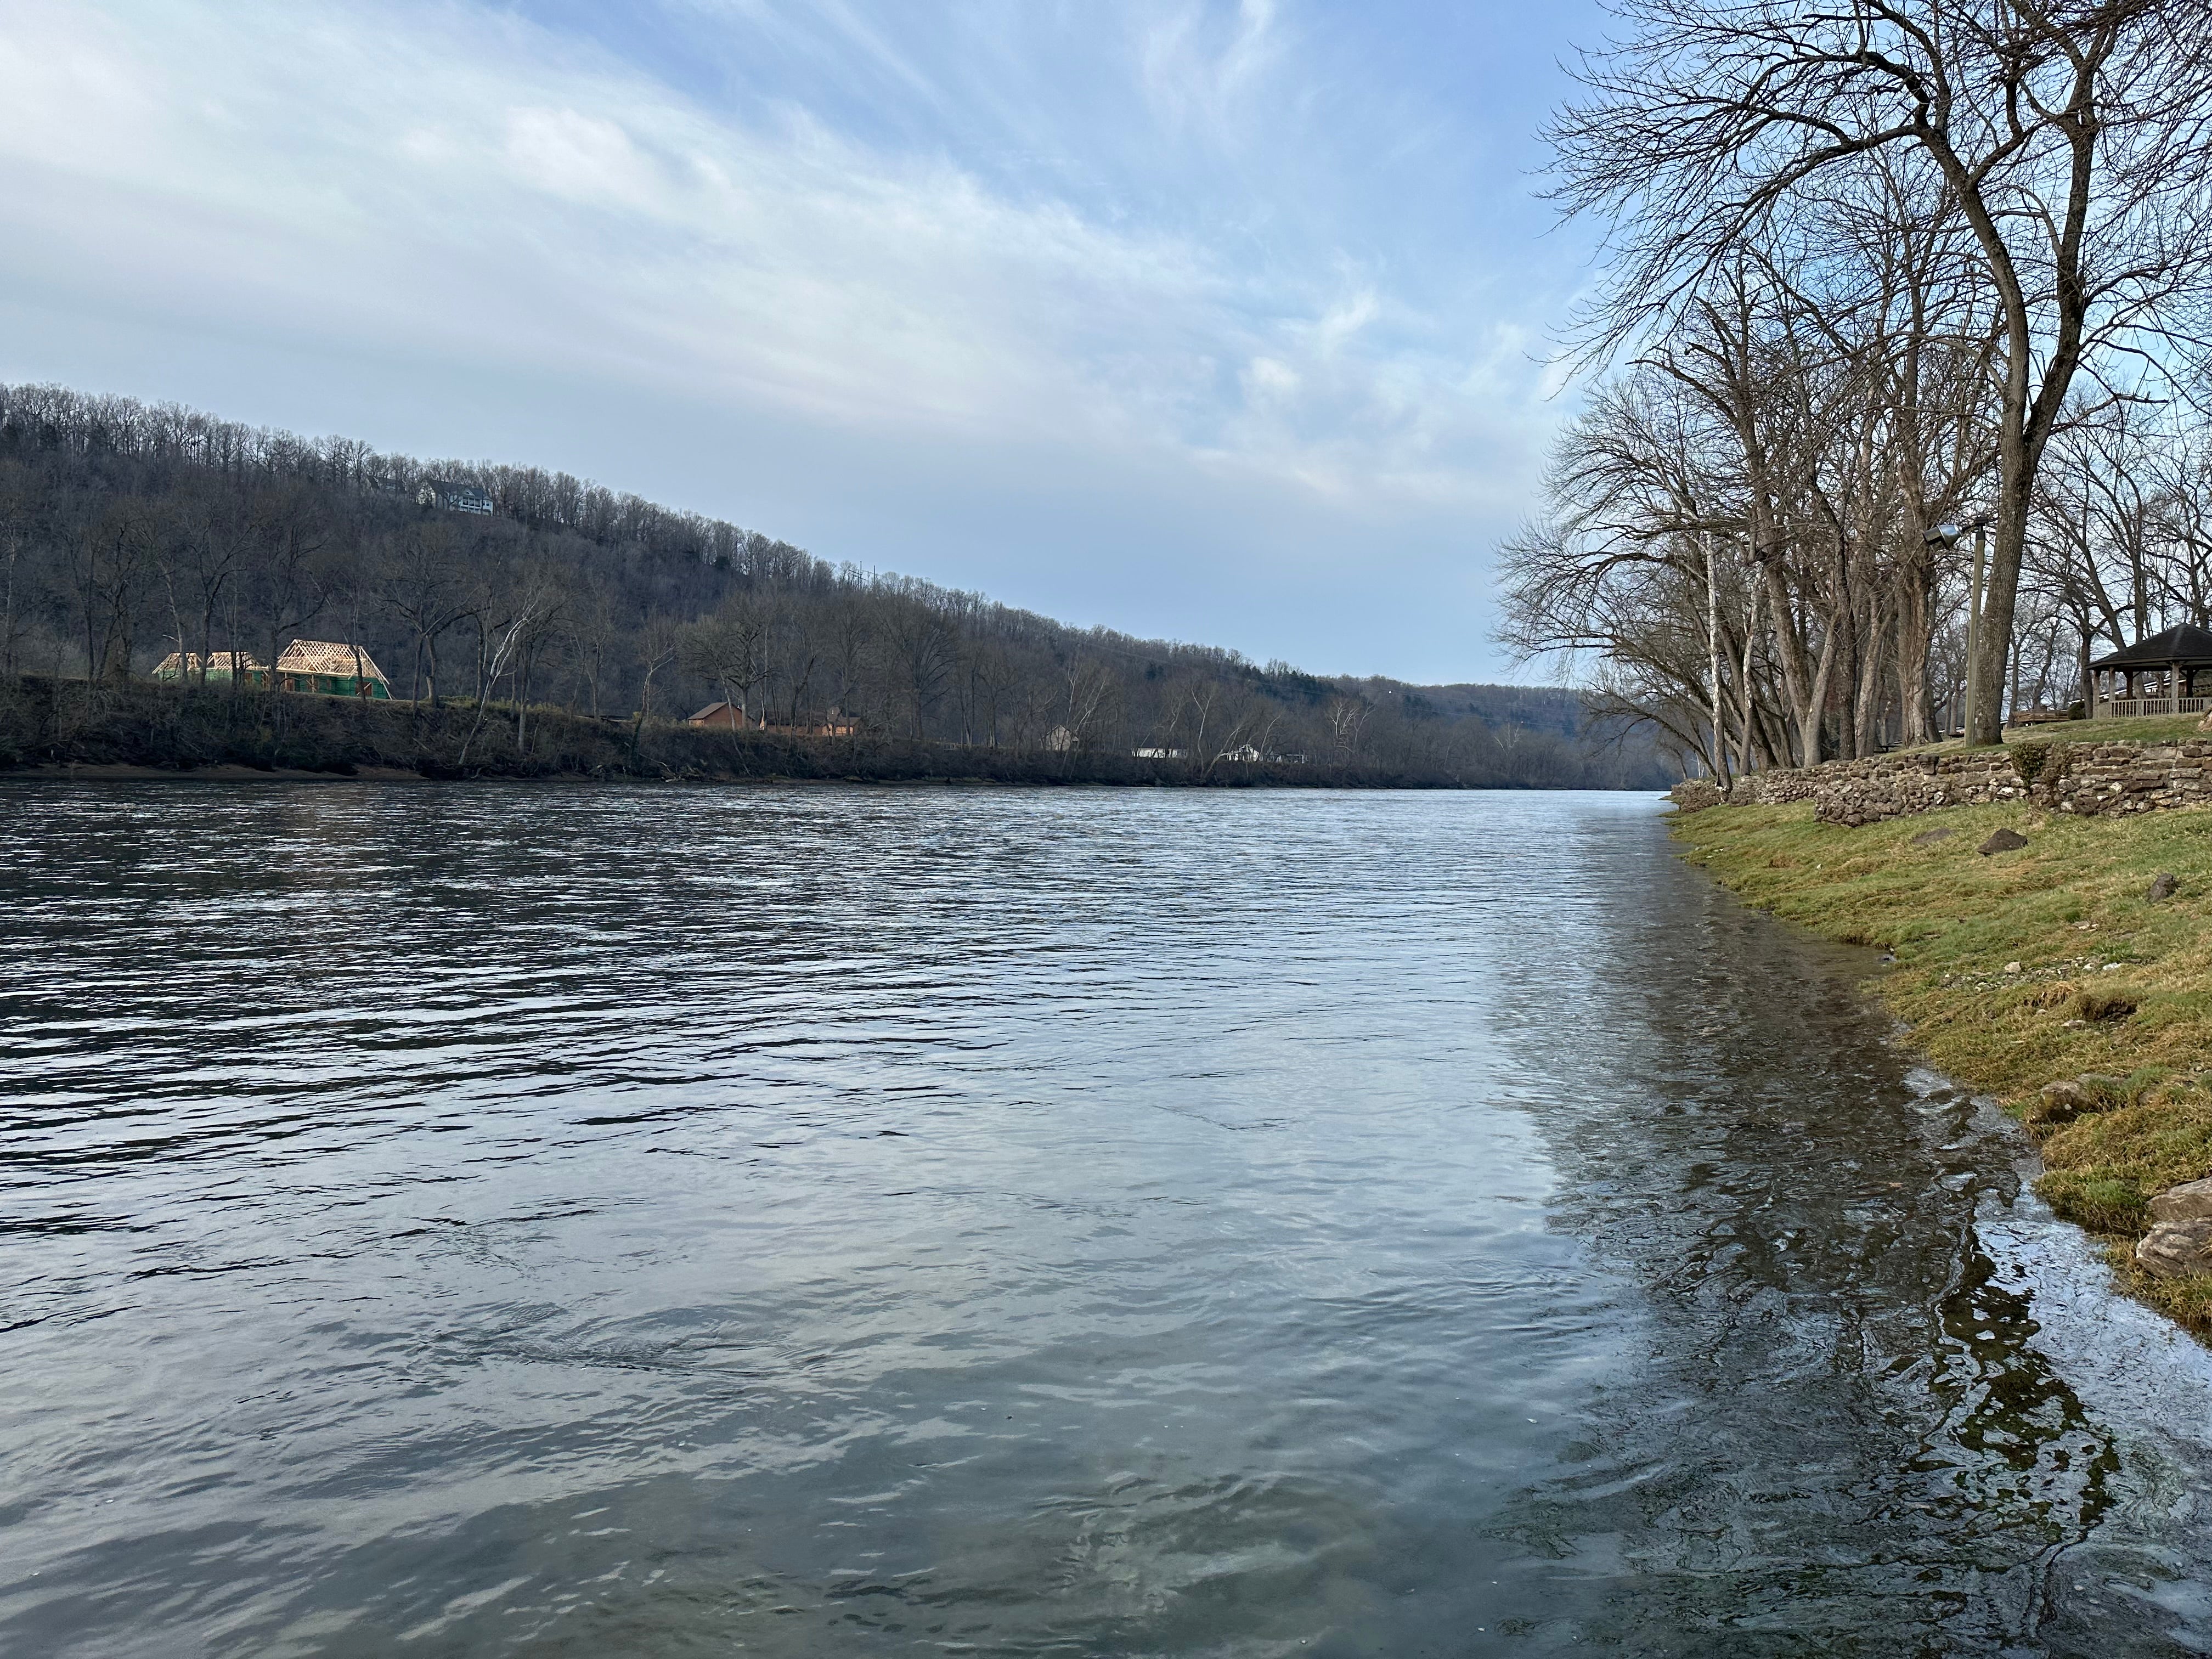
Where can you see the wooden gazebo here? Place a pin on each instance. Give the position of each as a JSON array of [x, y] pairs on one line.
[[2161, 675]]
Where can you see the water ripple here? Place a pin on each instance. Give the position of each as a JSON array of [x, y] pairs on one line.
[[490, 1219]]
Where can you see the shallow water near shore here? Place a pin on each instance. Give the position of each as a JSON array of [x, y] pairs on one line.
[[472, 1220]]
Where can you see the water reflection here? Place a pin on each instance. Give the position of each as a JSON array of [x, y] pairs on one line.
[[573, 1221], [1845, 1422]]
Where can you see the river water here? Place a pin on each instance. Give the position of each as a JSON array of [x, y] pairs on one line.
[[570, 1221]]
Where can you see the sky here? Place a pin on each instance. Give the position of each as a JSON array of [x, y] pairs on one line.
[[1229, 321]]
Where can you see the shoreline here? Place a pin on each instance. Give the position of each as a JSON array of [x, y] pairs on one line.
[[62, 729], [2045, 976], [95, 772], [102, 772]]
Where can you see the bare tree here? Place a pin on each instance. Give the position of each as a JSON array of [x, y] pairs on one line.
[[535, 594], [730, 648], [2071, 141], [117, 564], [921, 649], [419, 579], [1347, 719], [287, 533], [659, 642]]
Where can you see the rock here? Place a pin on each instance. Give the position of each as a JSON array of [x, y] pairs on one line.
[[2191, 1201], [1929, 837], [2004, 841], [1696, 795], [2164, 887], [2092, 1091], [2059, 1102], [2172, 1249], [2081, 1096], [2012, 967]]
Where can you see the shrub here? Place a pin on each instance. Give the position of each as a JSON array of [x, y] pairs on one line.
[[2039, 760]]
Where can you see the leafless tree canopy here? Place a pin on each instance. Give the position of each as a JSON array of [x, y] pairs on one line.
[[1871, 265]]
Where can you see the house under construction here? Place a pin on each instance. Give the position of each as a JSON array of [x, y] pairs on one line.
[[334, 669], [320, 667], [219, 666]]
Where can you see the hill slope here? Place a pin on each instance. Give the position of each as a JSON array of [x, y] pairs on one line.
[[130, 531]]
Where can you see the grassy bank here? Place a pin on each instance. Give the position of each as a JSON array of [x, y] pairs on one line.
[[2024, 968]]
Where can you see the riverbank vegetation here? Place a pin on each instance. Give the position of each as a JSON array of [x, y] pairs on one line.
[[2047, 964], [1874, 270], [129, 532], [51, 726]]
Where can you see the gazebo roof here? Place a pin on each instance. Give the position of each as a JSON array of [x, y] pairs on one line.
[[2185, 644]]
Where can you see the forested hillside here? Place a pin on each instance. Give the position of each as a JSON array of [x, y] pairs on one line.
[[128, 533]]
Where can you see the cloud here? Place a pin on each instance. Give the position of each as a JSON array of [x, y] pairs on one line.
[[1125, 233], [465, 175]]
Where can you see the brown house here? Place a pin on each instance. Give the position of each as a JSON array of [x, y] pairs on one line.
[[728, 717]]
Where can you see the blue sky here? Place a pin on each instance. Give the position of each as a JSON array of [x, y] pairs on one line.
[[1222, 320]]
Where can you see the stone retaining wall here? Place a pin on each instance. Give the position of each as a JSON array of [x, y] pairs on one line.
[[2094, 779]]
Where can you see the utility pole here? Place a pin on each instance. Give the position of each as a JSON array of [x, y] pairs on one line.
[[1713, 665], [1981, 528], [1947, 536]]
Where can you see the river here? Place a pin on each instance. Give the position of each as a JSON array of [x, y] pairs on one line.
[[516, 1220]]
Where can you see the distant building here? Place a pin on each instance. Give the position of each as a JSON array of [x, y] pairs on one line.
[[221, 665], [1159, 753], [318, 667], [1245, 752], [454, 497], [728, 717], [2165, 674], [331, 670]]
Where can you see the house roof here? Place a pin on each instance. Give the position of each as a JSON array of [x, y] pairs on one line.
[[2184, 644], [708, 713], [189, 663], [326, 656]]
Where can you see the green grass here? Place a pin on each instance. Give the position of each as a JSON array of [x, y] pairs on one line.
[[2063, 908], [2147, 728]]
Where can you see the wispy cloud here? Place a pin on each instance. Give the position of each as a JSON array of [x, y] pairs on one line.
[[1133, 241]]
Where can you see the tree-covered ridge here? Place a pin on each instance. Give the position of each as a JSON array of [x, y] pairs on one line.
[[130, 531]]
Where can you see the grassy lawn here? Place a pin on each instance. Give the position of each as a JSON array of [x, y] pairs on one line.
[[2023, 969], [2149, 728]]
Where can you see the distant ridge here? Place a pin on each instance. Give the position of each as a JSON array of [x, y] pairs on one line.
[[135, 531]]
